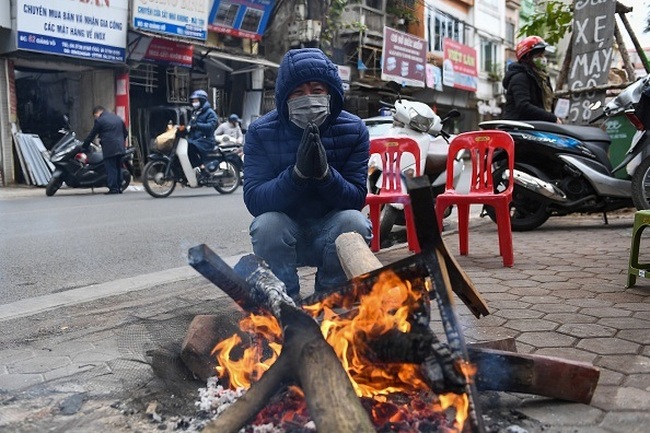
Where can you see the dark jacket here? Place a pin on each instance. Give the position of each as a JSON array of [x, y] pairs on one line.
[[272, 142], [524, 95], [202, 127], [112, 134]]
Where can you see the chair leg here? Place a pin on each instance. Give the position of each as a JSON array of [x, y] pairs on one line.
[[411, 232], [375, 212], [440, 209], [505, 234], [463, 228], [633, 263]]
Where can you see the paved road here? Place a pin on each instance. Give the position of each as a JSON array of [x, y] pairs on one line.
[[78, 238]]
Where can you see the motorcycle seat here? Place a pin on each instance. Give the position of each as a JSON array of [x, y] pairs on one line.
[[583, 133]]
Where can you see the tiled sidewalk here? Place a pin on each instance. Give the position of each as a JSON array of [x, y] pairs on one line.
[[565, 297]]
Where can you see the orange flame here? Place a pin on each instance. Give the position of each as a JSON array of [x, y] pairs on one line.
[[387, 307]]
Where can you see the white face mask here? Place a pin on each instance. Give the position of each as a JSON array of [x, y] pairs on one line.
[[309, 109], [196, 104]]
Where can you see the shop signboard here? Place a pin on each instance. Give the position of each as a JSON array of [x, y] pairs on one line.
[[240, 18], [404, 58], [345, 72], [161, 51], [434, 77], [459, 66], [91, 30], [187, 19], [592, 55]]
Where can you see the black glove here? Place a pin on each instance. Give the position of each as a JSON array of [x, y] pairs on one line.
[[304, 167], [321, 168]]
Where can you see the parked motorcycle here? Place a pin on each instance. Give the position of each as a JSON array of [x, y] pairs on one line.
[[559, 170], [418, 121], [79, 168], [634, 102], [165, 169]]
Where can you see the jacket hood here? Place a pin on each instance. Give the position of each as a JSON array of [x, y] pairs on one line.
[[513, 69], [301, 66]]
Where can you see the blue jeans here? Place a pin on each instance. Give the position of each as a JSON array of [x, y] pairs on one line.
[[285, 244]]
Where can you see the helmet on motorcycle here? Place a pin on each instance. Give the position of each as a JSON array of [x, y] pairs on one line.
[[201, 95], [233, 118], [529, 45]]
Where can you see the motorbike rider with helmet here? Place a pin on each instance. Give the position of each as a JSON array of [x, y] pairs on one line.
[[231, 128], [201, 129], [529, 95]]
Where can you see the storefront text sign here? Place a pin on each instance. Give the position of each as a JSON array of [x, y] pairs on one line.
[[187, 18], [591, 56], [155, 50], [240, 18], [92, 30], [459, 66], [404, 58]]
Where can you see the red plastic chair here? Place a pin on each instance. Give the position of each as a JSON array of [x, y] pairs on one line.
[[481, 146], [391, 150]]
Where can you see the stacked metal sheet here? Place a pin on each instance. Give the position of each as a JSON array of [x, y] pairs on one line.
[[34, 159]]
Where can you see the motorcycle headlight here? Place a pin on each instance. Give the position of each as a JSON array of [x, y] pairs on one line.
[[419, 122]]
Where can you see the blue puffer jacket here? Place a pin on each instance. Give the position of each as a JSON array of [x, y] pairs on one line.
[[272, 142], [202, 127]]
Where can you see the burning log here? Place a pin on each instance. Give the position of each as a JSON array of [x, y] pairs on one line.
[[498, 368], [306, 358]]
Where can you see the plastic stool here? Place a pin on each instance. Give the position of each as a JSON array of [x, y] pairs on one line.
[[634, 268]]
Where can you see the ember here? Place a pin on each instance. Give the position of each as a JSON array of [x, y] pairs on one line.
[[393, 393]]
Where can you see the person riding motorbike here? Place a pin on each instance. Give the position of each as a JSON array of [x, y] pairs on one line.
[[529, 94], [201, 129], [231, 128]]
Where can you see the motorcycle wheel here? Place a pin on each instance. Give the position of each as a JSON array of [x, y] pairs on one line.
[[154, 180], [53, 186], [526, 213], [229, 179], [126, 180], [641, 185]]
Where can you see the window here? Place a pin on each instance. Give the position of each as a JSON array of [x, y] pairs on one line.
[[443, 26], [489, 57], [510, 33]]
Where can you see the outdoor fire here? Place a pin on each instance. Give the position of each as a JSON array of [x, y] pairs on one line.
[[362, 357], [392, 392]]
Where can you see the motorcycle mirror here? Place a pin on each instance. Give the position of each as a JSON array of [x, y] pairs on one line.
[[595, 106], [395, 87], [453, 114]]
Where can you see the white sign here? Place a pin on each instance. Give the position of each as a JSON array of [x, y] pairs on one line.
[[344, 72], [562, 107], [188, 18], [94, 30]]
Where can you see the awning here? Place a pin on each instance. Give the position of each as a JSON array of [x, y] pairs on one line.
[[244, 59], [211, 52]]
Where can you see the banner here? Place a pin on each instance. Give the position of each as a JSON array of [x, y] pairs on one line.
[[459, 66], [161, 51], [188, 19], [90, 30], [241, 18], [404, 58]]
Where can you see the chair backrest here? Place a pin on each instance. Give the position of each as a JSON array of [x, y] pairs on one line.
[[391, 151], [481, 146]]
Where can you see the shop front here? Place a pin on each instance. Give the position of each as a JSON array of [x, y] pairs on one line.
[[58, 59]]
